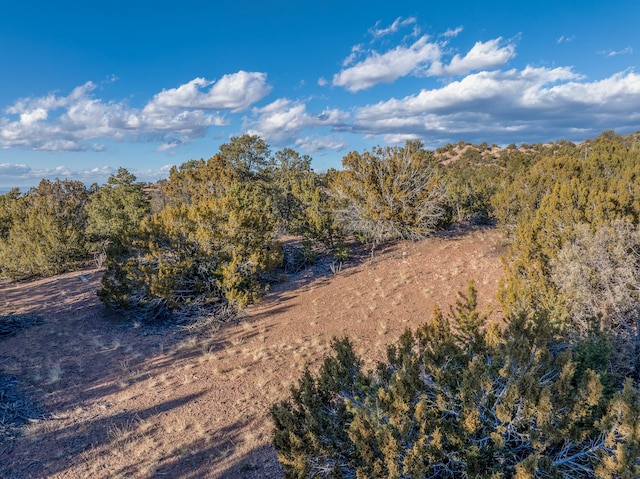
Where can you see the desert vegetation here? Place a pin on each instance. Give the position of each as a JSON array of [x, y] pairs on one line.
[[545, 387]]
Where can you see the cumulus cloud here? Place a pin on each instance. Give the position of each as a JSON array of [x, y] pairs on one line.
[[551, 102], [483, 55], [24, 176], [235, 92], [316, 143], [8, 169], [362, 69], [399, 138], [73, 122], [389, 66], [282, 120]]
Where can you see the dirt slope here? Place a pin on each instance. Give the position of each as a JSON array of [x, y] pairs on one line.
[[125, 400]]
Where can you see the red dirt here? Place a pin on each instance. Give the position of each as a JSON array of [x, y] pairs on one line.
[[128, 400]]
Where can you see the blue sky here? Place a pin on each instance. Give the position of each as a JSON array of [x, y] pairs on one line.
[[86, 87]]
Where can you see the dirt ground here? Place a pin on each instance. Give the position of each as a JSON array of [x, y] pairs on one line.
[[119, 399]]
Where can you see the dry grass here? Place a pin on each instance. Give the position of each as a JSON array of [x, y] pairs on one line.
[[126, 400], [54, 373]]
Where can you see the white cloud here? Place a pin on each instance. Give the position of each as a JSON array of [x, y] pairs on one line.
[[28, 118], [235, 92], [397, 139], [72, 123], [24, 176], [99, 170], [421, 58], [564, 39], [453, 32], [322, 81], [168, 146], [284, 119], [314, 143], [551, 103], [398, 23], [61, 145], [614, 53], [356, 50], [483, 55], [8, 169], [389, 66], [49, 102], [151, 175]]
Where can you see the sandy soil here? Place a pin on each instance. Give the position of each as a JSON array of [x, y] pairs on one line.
[[129, 400]]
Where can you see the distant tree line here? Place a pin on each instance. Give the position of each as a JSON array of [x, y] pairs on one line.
[[209, 234], [58, 225]]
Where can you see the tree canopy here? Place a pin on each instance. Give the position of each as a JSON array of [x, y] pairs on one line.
[[44, 233], [390, 193]]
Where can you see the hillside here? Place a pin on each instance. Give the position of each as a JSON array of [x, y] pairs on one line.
[[114, 400]]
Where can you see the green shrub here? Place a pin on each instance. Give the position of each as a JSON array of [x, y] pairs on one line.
[[389, 193], [115, 211], [211, 245], [189, 256], [45, 234], [461, 398]]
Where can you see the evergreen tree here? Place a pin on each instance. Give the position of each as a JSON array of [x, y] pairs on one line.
[[248, 155], [47, 232], [288, 174], [8, 208], [115, 211], [550, 199], [213, 243]]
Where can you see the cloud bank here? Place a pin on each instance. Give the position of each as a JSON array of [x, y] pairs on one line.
[[74, 121], [508, 106]]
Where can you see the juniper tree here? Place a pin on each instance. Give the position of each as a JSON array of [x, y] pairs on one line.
[[8, 207], [47, 232], [212, 244], [115, 211], [461, 398], [554, 196]]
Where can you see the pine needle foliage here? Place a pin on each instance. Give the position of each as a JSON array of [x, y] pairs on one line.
[[460, 397]]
